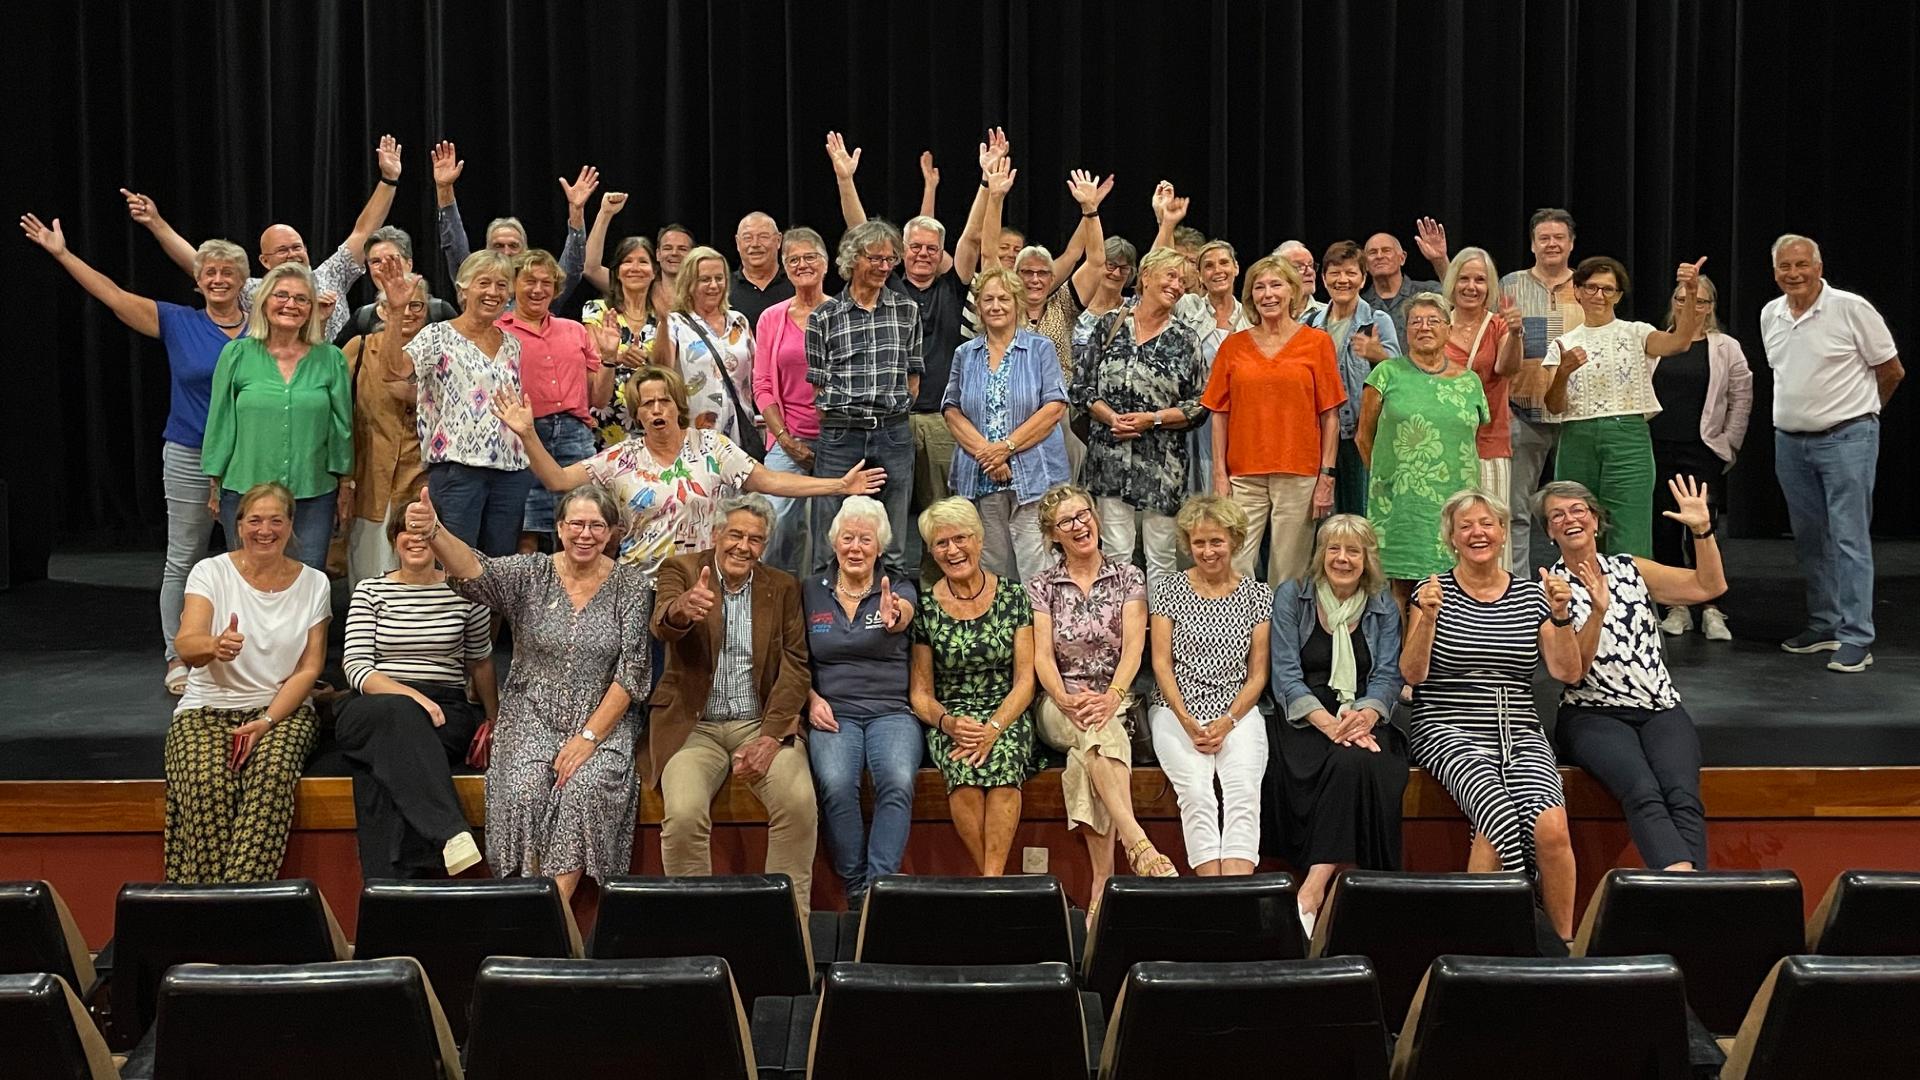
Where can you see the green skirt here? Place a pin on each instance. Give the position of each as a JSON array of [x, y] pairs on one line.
[[1008, 763]]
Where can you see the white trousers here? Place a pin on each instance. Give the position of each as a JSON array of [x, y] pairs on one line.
[[1219, 794]]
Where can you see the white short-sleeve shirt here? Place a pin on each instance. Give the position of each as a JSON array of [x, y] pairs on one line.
[[1616, 380], [274, 624], [1823, 361]]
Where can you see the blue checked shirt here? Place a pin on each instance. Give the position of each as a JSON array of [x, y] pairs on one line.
[[732, 696], [860, 360]]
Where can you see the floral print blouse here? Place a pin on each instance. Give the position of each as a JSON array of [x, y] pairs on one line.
[[456, 384], [613, 422], [708, 397], [1088, 628], [671, 505], [1167, 372]]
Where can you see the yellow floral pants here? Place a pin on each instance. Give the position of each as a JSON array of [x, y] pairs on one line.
[[225, 824]]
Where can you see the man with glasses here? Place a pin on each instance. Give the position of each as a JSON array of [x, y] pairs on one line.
[[1548, 307], [759, 283], [1296, 253], [865, 359]]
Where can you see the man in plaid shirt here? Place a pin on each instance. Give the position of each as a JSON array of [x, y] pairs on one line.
[[864, 358]]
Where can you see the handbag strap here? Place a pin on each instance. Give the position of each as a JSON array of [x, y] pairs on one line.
[[1473, 350], [719, 362]]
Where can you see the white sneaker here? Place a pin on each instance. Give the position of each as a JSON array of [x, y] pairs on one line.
[[460, 853], [1679, 620], [1714, 624]]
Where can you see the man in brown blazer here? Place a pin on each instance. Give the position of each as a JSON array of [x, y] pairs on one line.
[[731, 698]]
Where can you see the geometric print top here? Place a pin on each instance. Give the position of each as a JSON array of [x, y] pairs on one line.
[[1628, 670], [456, 382]]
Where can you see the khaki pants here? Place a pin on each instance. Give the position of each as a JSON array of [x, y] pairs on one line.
[[1076, 788], [692, 778], [1496, 479], [1283, 504], [932, 460]]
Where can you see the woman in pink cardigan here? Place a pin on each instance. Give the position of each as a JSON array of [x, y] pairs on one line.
[[1706, 394], [785, 398]]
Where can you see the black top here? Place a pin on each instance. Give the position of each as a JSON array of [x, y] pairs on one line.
[[1680, 382], [750, 299], [1316, 665], [943, 307]]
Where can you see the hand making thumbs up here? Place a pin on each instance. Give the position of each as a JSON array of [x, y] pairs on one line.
[[227, 646]]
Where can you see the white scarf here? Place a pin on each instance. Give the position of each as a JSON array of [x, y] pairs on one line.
[[1339, 615]]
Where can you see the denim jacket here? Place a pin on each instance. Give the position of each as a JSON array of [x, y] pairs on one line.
[[1295, 614], [1033, 381], [1355, 368]]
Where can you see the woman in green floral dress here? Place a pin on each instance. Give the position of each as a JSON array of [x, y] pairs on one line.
[[1419, 416], [972, 682]]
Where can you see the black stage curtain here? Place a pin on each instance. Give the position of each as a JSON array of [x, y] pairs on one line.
[[1672, 130]]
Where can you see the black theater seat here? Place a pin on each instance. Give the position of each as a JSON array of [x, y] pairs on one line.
[[353, 1020], [1189, 919], [678, 1017], [1618, 1018], [1725, 928], [1320, 1017], [924, 1022], [158, 926], [37, 934], [750, 920], [965, 920], [1823, 1017], [1403, 921], [1868, 913], [450, 926], [46, 1034]]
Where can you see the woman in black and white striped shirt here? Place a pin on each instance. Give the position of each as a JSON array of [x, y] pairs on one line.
[[1473, 637], [411, 645]]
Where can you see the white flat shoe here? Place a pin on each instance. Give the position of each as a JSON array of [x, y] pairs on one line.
[[460, 854], [1307, 919]]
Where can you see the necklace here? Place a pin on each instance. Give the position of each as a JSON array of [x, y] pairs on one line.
[[840, 586], [235, 324], [1429, 370], [955, 593]]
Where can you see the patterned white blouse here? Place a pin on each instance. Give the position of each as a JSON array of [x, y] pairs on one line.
[[456, 384]]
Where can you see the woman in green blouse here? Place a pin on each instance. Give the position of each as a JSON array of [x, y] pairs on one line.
[[282, 412]]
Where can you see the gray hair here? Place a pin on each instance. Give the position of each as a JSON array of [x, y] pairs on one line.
[[1432, 300], [1461, 500], [1119, 250], [930, 224], [751, 502], [390, 234], [952, 512], [758, 215], [868, 234], [800, 234], [1571, 489], [219, 251], [506, 223], [1795, 238], [1467, 255], [610, 509], [1289, 245], [314, 331], [1033, 251], [863, 508]]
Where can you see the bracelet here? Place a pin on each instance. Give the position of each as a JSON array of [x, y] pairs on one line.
[[389, 183], [1329, 472], [983, 183], [940, 724], [1711, 528], [1558, 621], [1091, 213], [1116, 686], [995, 725]]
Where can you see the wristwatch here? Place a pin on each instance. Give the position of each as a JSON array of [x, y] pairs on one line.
[[1157, 422], [1329, 471], [1558, 621], [587, 734]]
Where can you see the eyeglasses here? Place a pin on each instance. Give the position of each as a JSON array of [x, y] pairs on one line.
[[415, 307], [285, 250], [808, 259], [762, 237], [283, 297], [591, 528], [880, 260], [1074, 521], [1034, 272], [1599, 290], [1427, 320]]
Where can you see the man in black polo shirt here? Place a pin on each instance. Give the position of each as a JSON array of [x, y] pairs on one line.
[[759, 283]]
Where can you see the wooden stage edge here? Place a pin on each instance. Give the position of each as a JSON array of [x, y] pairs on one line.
[[55, 807]]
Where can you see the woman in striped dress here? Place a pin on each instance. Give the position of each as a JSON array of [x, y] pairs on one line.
[[1473, 637]]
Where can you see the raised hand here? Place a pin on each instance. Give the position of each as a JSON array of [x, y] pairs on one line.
[[228, 645], [1510, 314], [1000, 176], [1175, 210], [327, 299], [395, 283], [421, 520], [512, 409], [1688, 278], [1689, 495], [49, 237], [1162, 193], [698, 600], [141, 208], [861, 480], [929, 175], [1559, 593], [582, 187], [613, 202], [1088, 190], [1573, 359], [606, 339], [1428, 596], [844, 164], [388, 155], [1594, 580], [1432, 239], [994, 149], [447, 165]]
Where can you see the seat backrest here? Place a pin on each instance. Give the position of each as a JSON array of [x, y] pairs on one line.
[[1620, 1018], [1189, 919], [1014, 1020], [965, 920], [1725, 928], [156, 926], [1403, 921], [451, 925], [45, 1033], [750, 920], [1830, 1016], [352, 1018], [678, 1017], [1868, 913], [1320, 1017], [37, 934]]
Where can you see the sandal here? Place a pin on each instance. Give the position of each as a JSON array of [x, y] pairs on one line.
[[1147, 861], [177, 678]]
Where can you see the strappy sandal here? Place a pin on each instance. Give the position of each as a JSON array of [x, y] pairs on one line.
[[1147, 861], [177, 678]]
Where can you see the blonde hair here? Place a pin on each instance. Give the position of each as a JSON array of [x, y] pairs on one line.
[[1218, 510], [540, 259], [1461, 500], [219, 251], [676, 389], [313, 332], [1272, 264], [1467, 255], [479, 263], [1008, 280], [1707, 289], [272, 489], [952, 512], [1049, 510], [1348, 527], [684, 282], [1159, 259]]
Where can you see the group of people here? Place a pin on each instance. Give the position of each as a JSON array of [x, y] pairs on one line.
[[693, 507]]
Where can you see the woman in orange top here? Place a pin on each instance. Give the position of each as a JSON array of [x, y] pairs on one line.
[[1278, 387]]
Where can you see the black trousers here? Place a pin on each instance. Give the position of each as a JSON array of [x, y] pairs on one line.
[[1650, 760], [403, 798], [1672, 541]]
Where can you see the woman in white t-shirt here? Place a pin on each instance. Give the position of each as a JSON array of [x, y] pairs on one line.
[[254, 632], [1602, 392]]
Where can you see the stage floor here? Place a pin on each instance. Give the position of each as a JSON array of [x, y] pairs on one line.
[[81, 694]]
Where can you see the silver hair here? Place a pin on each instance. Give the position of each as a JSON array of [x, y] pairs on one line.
[[759, 215], [1795, 238], [390, 234], [863, 508], [1571, 489], [870, 233], [930, 224], [506, 223], [1433, 300], [610, 509], [1033, 251], [1120, 250], [219, 251], [752, 502], [800, 234], [1289, 245]]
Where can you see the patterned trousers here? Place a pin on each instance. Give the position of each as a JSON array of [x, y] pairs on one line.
[[227, 825], [1503, 776]]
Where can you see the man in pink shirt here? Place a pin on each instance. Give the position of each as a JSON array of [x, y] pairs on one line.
[[563, 369]]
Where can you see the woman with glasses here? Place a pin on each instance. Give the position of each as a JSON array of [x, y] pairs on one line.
[[386, 448], [783, 394], [1706, 395], [1602, 390]]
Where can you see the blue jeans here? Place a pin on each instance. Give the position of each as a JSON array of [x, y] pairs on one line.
[[189, 523], [569, 440], [312, 526], [840, 449], [790, 547], [1827, 477], [888, 747], [483, 507]]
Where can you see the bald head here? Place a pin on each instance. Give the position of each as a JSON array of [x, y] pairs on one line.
[[758, 240], [1384, 257], [281, 243]]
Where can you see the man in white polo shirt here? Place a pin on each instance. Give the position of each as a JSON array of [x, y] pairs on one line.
[[1834, 367]]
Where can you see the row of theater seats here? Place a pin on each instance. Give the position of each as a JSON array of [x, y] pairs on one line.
[[1727, 932]]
